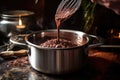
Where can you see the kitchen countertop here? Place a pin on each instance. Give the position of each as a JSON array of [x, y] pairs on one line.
[[101, 65]]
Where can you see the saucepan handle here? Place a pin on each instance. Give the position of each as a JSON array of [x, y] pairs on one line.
[[95, 41], [19, 40]]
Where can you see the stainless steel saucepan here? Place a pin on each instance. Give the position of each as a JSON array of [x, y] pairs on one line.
[[58, 60]]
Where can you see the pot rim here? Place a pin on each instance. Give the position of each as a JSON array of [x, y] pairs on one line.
[[16, 13], [65, 30]]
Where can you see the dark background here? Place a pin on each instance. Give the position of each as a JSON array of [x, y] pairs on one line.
[[105, 19]]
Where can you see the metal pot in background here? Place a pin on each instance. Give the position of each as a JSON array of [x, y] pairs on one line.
[[57, 60], [9, 21]]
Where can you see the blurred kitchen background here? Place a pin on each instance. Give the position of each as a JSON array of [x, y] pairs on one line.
[[104, 22]]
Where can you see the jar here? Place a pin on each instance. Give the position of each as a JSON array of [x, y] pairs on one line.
[[9, 21]]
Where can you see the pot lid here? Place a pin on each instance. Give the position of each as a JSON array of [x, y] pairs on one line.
[[16, 13]]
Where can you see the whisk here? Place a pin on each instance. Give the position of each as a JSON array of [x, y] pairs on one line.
[[66, 8]]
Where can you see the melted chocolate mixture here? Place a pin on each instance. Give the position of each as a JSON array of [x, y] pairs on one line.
[[53, 43], [58, 42]]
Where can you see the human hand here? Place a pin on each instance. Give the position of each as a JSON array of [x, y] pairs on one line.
[[111, 4]]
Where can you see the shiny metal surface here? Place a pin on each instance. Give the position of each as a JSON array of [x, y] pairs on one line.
[[57, 60], [67, 8], [9, 21]]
